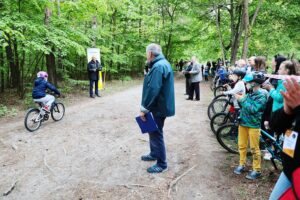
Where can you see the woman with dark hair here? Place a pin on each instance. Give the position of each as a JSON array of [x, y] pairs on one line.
[[260, 64], [278, 59]]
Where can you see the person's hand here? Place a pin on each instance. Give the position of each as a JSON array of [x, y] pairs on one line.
[[143, 116], [266, 124], [239, 96], [268, 86], [291, 96]]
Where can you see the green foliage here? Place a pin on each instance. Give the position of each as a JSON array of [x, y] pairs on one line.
[[124, 28], [4, 111]]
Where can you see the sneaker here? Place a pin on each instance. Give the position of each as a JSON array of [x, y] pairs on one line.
[[148, 158], [156, 169], [253, 175], [239, 170], [267, 156], [46, 108]]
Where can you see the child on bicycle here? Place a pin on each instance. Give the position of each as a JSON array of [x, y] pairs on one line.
[[239, 87], [41, 84], [252, 108]]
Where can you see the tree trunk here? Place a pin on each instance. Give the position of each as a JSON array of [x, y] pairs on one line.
[[16, 74], [218, 20], [238, 30], [50, 58], [247, 26], [14, 69], [58, 7], [2, 82]]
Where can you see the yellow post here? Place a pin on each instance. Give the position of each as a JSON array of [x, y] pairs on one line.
[[100, 82]]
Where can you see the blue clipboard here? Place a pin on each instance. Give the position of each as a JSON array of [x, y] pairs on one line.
[[149, 125]]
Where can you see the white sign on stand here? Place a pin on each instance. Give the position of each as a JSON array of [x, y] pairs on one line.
[[93, 52]]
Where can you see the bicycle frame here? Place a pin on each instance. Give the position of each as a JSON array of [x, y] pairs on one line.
[[274, 152]]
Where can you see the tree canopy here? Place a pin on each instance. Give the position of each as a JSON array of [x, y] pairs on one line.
[[53, 35]]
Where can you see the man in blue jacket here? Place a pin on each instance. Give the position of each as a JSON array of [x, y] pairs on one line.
[[158, 98]]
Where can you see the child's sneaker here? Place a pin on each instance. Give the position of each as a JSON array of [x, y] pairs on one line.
[[267, 156], [253, 175], [46, 108], [239, 170]]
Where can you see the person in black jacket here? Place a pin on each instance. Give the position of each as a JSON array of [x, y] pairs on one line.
[[93, 70], [39, 94], [186, 71], [287, 120]]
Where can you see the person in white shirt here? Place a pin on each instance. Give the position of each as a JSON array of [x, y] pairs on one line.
[[239, 87]]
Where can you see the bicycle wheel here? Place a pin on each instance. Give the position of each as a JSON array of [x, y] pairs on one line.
[[227, 136], [58, 111], [219, 120], [214, 107], [220, 96], [33, 119], [218, 90]]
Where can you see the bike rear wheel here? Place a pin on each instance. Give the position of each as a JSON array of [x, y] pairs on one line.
[[58, 111], [227, 136], [219, 120], [33, 120]]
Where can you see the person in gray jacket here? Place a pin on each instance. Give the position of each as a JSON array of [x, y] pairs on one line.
[[195, 79]]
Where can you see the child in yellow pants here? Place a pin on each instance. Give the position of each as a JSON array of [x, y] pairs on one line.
[[252, 108], [253, 135]]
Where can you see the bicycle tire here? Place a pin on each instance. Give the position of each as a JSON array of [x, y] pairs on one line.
[[220, 96], [26, 122], [217, 106], [219, 120], [227, 136], [58, 108], [219, 89]]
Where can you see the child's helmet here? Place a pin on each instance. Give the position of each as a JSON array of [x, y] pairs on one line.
[[239, 72], [42, 74], [257, 77]]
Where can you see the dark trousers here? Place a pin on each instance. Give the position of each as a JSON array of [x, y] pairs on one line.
[[187, 86], [92, 82], [195, 88], [157, 144]]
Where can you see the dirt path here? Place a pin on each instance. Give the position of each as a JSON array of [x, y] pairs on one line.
[[94, 153]]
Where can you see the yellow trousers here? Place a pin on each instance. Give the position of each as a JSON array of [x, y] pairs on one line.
[[246, 133]]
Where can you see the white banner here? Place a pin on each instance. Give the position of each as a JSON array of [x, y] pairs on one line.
[[93, 52]]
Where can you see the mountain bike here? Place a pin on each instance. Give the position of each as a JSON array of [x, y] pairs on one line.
[[35, 116], [227, 136]]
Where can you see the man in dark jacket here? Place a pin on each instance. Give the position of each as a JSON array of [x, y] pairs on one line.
[[93, 70], [158, 98]]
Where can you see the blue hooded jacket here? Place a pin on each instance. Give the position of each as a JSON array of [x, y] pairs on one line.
[[40, 87], [158, 89]]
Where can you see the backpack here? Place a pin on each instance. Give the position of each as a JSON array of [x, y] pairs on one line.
[[293, 193]]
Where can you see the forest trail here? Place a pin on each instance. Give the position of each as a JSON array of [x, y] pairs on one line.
[[94, 153]]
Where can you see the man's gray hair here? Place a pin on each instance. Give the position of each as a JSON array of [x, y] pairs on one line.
[[154, 48]]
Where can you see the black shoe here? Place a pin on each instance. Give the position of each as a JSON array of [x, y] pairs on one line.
[[92, 96], [189, 99], [197, 99], [98, 95]]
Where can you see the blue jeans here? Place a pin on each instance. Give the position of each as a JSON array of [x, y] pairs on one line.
[[157, 144], [282, 184], [92, 82]]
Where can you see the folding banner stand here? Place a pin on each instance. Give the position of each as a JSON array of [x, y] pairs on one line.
[[96, 52]]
